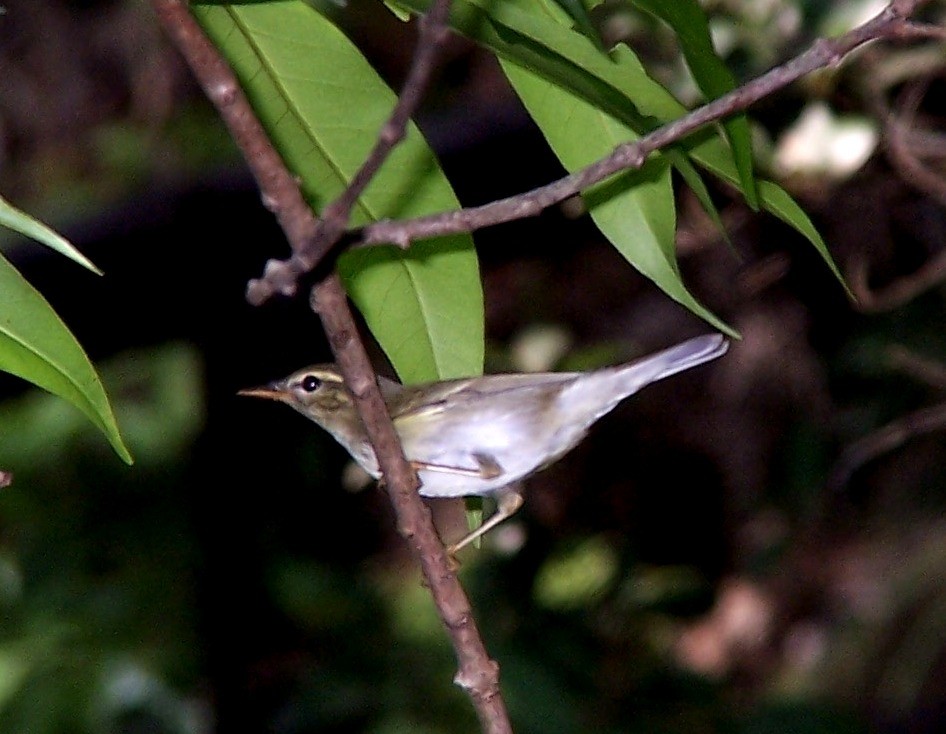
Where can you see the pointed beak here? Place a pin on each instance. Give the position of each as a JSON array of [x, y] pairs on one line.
[[270, 392]]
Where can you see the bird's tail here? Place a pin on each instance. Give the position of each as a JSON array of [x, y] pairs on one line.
[[597, 393], [670, 361]]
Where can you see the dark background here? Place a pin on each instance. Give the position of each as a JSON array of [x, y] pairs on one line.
[[716, 557]]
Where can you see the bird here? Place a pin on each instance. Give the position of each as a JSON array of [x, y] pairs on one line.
[[480, 436]]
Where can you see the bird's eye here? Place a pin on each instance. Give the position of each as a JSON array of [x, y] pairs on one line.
[[311, 383]]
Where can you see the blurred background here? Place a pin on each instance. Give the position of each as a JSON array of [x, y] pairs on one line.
[[757, 546]]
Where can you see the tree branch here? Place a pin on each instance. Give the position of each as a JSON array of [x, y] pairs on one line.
[[282, 275], [892, 23], [885, 440], [477, 673], [898, 128]]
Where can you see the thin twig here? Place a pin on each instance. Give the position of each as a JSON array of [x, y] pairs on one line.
[[884, 440], [898, 126], [931, 372], [477, 673], [901, 291], [891, 23], [895, 434], [282, 275]]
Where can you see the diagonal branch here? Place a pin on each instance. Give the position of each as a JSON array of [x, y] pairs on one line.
[[282, 276], [892, 23], [477, 673], [898, 127], [885, 440]]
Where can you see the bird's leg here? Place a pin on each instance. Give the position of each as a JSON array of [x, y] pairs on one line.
[[508, 503], [487, 468]]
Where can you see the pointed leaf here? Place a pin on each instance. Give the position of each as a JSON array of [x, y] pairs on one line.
[[714, 79], [634, 210], [774, 199], [23, 223], [581, 20], [618, 86], [535, 39], [777, 201], [323, 105], [37, 346]]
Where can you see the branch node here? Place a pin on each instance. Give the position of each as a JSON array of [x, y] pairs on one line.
[[281, 276], [223, 93], [270, 202], [391, 133], [632, 154], [473, 680], [407, 529], [362, 383], [402, 239], [258, 291], [912, 29], [464, 680], [300, 263]]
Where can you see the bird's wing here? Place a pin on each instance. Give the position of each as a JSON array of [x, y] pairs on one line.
[[429, 400]]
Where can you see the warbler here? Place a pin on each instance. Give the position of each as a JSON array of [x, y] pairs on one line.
[[477, 436]]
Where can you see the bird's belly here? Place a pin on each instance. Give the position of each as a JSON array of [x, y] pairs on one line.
[[514, 443], [439, 483]]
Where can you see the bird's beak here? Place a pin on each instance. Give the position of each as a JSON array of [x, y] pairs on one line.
[[270, 392]]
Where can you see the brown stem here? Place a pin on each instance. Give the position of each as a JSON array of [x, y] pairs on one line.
[[885, 440], [281, 275], [928, 371], [891, 23], [898, 126], [477, 673]]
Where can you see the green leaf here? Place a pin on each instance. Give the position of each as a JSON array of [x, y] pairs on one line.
[[689, 173], [618, 86], [712, 76], [679, 157], [323, 105], [578, 14], [535, 40], [37, 346], [634, 210], [774, 199], [473, 509], [430, 311], [23, 223], [778, 202]]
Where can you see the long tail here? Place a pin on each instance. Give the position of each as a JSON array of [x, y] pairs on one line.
[[598, 392], [676, 359]]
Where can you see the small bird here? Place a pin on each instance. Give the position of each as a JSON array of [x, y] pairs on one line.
[[477, 436]]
